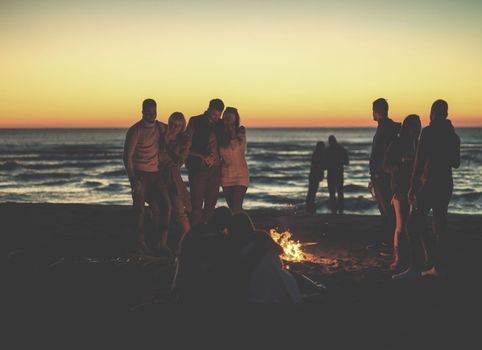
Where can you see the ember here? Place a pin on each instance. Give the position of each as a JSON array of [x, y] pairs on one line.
[[292, 250]]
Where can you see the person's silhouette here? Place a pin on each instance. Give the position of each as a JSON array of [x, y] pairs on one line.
[[317, 172], [431, 187], [386, 132], [335, 158]]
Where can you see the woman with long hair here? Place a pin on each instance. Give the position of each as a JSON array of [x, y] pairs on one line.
[[176, 151], [398, 163], [234, 168]]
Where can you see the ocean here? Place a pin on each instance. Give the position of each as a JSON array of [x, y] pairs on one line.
[[85, 166]]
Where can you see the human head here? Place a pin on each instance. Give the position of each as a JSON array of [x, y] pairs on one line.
[[241, 225], [231, 118], [411, 127], [332, 140], [320, 146], [149, 110], [215, 108], [177, 123], [439, 110], [221, 218], [380, 109]]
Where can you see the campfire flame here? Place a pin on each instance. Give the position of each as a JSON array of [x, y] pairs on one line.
[[292, 250]]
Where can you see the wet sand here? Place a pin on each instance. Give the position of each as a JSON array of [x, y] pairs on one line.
[[78, 259]]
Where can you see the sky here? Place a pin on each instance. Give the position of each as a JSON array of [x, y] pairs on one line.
[[281, 63]]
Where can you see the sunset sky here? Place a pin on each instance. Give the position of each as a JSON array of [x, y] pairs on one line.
[[281, 63]]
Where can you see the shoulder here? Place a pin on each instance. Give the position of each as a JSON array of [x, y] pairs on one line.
[[134, 128], [162, 126]]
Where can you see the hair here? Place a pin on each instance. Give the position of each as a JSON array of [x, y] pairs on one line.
[[410, 121], [216, 104], [177, 116], [240, 225], [148, 102], [332, 140], [221, 218], [381, 106], [439, 110], [223, 136]]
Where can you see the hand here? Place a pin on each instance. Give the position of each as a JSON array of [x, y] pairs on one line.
[[209, 160], [135, 184], [411, 197]]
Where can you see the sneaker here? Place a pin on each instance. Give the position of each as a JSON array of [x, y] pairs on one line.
[[407, 275], [433, 272]]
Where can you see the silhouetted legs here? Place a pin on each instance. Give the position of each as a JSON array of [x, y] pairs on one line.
[[383, 194], [426, 249], [313, 185], [400, 239], [150, 188], [204, 187], [234, 197], [335, 188]]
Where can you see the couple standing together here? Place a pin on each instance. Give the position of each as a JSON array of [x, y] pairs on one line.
[[213, 148]]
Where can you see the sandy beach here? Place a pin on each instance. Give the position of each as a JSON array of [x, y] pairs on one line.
[[79, 258]]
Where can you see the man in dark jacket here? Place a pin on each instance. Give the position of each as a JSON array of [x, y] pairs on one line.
[[431, 187], [203, 162], [387, 131], [336, 158]]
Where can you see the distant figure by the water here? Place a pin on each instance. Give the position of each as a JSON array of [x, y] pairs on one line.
[[234, 168], [203, 163], [387, 131], [142, 153], [398, 163], [431, 187], [317, 173], [335, 159]]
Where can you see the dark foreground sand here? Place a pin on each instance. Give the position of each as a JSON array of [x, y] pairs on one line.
[[76, 259]]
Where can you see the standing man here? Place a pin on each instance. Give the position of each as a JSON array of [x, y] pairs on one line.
[[143, 148], [387, 131], [203, 162], [431, 187], [336, 158]]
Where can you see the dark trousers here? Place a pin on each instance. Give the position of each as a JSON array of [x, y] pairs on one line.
[[234, 197], [335, 187], [313, 185], [429, 248], [204, 187], [383, 195], [151, 188]]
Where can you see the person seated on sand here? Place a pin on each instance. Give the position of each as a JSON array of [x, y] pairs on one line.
[[203, 266], [317, 172], [143, 150], [262, 278]]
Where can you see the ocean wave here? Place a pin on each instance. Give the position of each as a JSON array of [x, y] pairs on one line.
[[114, 173], [42, 176]]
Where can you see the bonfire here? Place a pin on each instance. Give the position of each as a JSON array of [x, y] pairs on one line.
[[292, 249]]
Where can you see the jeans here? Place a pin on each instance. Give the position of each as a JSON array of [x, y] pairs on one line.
[[204, 187]]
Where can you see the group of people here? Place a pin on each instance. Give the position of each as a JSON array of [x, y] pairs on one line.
[[411, 174], [332, 159], [212, 146]]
